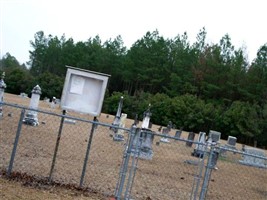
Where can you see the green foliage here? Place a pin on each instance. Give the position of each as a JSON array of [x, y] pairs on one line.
[[50, 84], [17, 76], [240, 119], [192, 114], [198, 87], [18, 80]]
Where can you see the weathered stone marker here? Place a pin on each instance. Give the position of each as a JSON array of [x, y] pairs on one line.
[[143, 139], [31, 116], [190, 139], [117, 121], [2, 90], [178, 134], [200, 148]]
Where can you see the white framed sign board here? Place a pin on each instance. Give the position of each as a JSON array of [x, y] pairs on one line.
[[84, 91]]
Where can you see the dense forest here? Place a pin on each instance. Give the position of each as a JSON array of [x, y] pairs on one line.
[[199, 86]]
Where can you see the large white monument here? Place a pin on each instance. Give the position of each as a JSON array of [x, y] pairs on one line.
[[201, 146], [143, 140], [31, 116]]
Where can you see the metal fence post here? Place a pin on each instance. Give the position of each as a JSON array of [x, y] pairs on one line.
[[198, 176], [207, 175], [133, 169], [57, 145], [16, 142], [125, 165], [88, 151], [122, 166]]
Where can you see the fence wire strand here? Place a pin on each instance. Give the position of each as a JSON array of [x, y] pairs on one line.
[[56, 149]]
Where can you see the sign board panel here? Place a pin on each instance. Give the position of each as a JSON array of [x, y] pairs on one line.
[[84, 91]]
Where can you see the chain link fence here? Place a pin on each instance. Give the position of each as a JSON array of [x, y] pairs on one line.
[[81, 151]]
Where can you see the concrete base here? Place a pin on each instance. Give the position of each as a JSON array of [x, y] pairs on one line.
[[198, 153], [118, 137], [31, 119]]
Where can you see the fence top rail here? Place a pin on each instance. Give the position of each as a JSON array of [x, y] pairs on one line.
[[65, 116], [174, 138], [206, 144], [242, 152], [129, 130]]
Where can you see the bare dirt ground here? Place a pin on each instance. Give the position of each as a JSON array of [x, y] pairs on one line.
[[19, 188], [166, 176], [16, 190]]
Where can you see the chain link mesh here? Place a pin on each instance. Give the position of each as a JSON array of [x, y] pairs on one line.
[[171, 173]]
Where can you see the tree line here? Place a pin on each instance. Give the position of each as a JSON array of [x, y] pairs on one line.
[[199, 86]]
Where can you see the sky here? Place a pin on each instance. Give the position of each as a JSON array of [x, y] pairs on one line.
[[244, 21]]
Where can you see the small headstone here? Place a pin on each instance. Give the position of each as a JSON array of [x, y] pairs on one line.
[[23, 95], [190, 139], [178, 134], [165, 131], [231, 141], [214, 136]]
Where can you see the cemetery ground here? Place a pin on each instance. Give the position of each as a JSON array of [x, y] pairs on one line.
[[166, 174], [18, 190]]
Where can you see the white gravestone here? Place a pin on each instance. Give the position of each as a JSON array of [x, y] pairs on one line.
[[200, 148], [214, 136], [31, 117], [231, 141]]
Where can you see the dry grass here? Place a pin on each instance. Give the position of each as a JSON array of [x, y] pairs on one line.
[[166, 176]]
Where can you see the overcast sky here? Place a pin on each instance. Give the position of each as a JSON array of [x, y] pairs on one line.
[[244, 20]]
